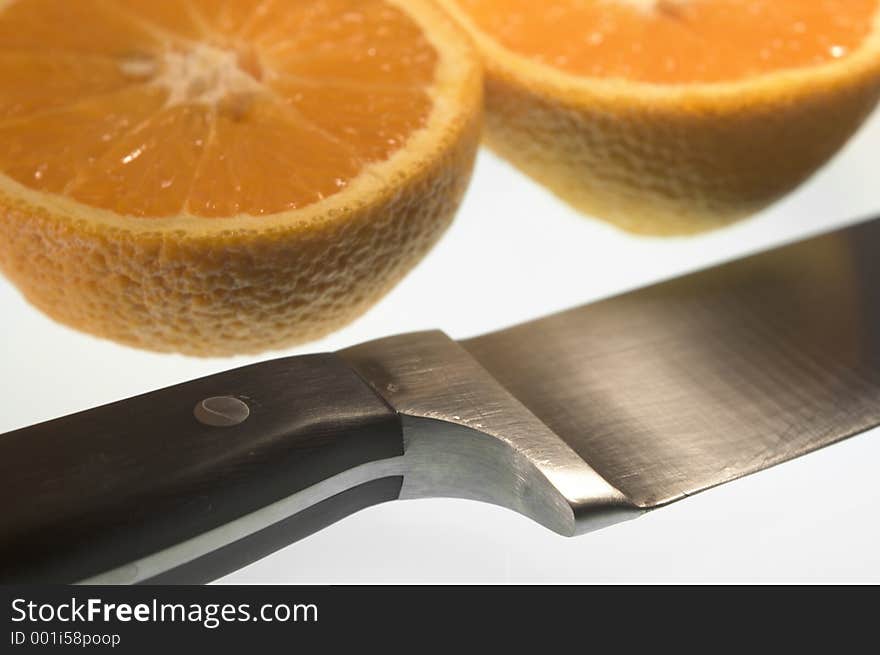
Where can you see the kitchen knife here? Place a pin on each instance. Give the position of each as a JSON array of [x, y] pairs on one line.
[[577, 420]]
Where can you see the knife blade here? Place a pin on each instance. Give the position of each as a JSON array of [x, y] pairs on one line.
[[577, 420]]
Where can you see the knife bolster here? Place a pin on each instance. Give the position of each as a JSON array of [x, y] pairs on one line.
[[466, 436]]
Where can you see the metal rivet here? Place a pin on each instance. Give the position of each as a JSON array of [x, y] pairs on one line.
[[221, 411]]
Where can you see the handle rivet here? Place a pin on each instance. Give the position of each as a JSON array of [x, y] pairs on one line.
[[221, 411]]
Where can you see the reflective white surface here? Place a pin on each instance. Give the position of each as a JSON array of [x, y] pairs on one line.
[[515, 253]]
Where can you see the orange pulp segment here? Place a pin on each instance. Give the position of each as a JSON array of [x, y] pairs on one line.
[[676, 41], [211, 108]]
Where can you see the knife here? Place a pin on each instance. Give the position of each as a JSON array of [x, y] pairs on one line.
[[578, 420]]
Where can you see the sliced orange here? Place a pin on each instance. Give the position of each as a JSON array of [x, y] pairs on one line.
[[673, 116], [224, 176]]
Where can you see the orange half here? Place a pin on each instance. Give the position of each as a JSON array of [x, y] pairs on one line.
[[218, 176], [672, 116]]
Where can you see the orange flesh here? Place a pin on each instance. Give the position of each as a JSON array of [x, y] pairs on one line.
[[676, 41], [209, 107]]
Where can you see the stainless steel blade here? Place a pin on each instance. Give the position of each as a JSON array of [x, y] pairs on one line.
[[681, 386]]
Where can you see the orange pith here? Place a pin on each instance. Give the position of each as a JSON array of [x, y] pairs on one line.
[[676, 41], [211, 108]]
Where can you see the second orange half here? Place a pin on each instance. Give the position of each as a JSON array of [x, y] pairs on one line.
[[674, 116]]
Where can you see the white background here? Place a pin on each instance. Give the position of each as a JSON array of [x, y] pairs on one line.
[[515, 253]]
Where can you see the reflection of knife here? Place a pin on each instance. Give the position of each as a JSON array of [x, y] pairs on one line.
[[577, 420]]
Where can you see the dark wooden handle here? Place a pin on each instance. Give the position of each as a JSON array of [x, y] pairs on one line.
[[98, 490]]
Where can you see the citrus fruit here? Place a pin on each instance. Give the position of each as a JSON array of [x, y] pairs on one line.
[[674, 116], [227, 176]]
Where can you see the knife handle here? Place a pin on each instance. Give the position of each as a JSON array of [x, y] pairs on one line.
[[190, 482]]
